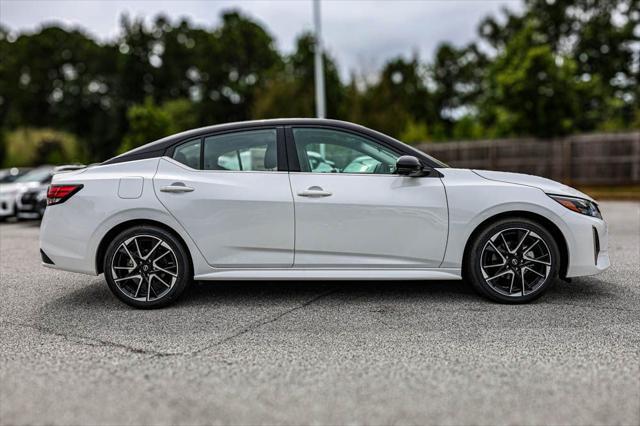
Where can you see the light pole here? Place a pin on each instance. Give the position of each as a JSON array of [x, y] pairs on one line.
[[319, 65]]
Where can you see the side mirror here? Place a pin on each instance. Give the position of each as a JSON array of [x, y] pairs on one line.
[[408, 165]]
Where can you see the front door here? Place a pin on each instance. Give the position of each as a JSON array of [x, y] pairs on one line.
[[228, 193], [351, 210]]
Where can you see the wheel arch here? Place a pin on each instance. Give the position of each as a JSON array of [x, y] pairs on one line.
[[111, 234], [553, 229]]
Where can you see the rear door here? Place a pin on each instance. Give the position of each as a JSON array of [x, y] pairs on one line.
[[352, 210], [231, 193]]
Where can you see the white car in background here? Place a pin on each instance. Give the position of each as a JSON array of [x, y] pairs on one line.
[[11, 174], [241, 201], [9, 192]]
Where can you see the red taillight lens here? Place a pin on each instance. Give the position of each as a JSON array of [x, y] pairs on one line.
[[57, 194]]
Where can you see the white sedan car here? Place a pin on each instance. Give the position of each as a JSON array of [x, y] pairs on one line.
[[11, 193], [241, 201]]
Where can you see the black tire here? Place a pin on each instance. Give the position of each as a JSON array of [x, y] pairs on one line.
[[178, 264], [498, 286]]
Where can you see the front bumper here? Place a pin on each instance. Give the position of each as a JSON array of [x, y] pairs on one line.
[[7, 205], [29, 204], [589, 245]]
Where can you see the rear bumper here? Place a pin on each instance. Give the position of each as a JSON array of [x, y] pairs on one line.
[[66, 242]]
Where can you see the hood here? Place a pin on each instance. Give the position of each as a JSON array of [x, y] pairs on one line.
[[547, 185]]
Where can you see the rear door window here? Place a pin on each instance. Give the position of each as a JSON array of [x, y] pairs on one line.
[[251, 150]]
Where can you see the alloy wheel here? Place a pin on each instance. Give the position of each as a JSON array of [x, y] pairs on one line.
[[515, 262], [144, 268]]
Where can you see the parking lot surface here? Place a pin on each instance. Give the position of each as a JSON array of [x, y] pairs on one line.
[[322, 353]]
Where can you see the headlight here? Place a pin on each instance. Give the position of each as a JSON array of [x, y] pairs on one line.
[[578, 205]]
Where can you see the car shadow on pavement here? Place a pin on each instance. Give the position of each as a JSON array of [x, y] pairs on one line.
[[227, 293], [219, 309], [97, 294]]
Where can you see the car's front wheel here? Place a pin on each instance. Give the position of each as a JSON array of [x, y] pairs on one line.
[[513, 261], [147, 267]]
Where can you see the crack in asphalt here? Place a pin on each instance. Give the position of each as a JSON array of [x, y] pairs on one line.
[[93, 342], [88, 341], [264, 322]]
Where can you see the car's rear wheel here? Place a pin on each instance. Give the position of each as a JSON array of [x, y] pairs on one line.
[[147, 267], [513, 261]]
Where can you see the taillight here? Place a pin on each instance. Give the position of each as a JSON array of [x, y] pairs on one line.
[[57, 194]]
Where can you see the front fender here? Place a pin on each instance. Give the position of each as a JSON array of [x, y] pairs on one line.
[[473, 200]]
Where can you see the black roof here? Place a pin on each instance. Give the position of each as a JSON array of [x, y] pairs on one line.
[[158, 148]]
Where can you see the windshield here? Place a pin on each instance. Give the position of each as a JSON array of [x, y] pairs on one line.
[[37, 175], [8, 178]]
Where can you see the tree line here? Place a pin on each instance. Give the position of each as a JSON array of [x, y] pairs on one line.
[[555, 68]]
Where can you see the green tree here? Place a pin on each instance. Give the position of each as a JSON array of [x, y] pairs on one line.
[[458, 75], [398, 100], [242, 54], [149, 121], [556, 67], [289, 90], [533, 91], [62, 79], [600, 37]]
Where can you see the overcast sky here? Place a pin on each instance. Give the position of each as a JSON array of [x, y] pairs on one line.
[[360, 35]]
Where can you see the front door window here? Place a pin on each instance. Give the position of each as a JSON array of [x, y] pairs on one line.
[[334, 151]]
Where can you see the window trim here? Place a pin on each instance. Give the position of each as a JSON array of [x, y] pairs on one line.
[[281, 147]]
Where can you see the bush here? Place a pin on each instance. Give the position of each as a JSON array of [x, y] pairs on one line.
[[32, 147]]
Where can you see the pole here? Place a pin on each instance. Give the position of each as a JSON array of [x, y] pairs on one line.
[[319, 65]]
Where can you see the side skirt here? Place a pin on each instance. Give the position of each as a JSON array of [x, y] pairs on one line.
[[331, 274]]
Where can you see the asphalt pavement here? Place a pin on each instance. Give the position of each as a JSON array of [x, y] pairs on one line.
[[320, 352]]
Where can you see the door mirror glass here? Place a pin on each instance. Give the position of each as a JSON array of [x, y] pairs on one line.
[[408, 165]]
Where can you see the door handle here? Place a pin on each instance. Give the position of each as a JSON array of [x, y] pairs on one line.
[[176, 187], [314, 191]]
